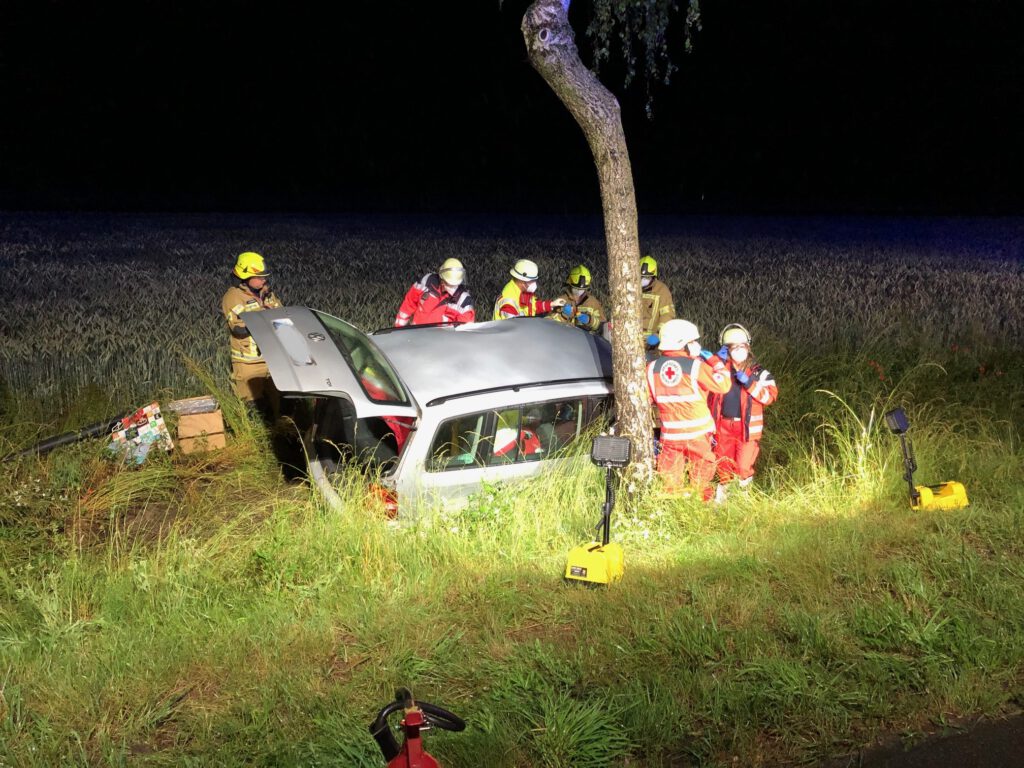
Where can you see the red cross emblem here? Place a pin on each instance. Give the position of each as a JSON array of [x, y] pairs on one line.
[[670, 373]]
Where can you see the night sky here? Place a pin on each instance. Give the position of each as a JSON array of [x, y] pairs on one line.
[[858, 106]]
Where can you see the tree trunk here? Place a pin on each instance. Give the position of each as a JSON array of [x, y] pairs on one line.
[[552, 50]]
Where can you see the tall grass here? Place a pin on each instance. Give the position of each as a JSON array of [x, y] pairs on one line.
[[253, 625]]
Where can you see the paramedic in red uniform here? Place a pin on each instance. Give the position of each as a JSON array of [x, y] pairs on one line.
[[438, 297], [739, 413], [678, 383]]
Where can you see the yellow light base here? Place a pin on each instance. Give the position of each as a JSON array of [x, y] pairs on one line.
[[595, 564], [950, 495]]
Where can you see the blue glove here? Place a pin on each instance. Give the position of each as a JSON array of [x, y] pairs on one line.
[[583, 319], [707, 354], [652, 340], [567, 311], [743, 377], [723, 353]]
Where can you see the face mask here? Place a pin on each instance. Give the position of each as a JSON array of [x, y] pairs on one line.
[[452, 288], [580, 292], [739, 354], [693, 348], [646, 281], [532, 287]]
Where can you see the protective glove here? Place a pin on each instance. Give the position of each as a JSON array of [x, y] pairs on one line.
[[743, 377], [567, 311], [558, 303], [707, 354], [583, 319], [652, 340], [723, 353]]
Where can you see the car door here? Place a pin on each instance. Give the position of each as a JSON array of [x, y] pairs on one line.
[[313, 354]]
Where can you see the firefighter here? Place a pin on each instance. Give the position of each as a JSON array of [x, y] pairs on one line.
[[518, 297], [739, 413], [656, 308], [438, 297], [250, 377], [678, 383], [582, 308]]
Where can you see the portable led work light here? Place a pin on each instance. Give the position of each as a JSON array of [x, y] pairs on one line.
[[602, 562], [951, 495], [611, 451]]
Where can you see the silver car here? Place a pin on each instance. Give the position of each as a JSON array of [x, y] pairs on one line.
[[436, 410]]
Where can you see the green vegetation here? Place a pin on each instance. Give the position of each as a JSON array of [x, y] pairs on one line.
[[200, 610]]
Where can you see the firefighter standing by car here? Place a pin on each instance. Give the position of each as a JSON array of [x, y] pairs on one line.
[[438, 297], [518, 297], [679, 382], [582, 308], [656, 307], [739, 413], [250, 377]]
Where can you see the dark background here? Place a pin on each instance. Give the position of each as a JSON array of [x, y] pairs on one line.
[[787, 106]]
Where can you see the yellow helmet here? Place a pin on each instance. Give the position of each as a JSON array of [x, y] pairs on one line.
[[648, 267], [250, 264], [452, 272], [734, 333], [579, 277]]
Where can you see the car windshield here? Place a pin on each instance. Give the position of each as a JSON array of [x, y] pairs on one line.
[[375, 374]]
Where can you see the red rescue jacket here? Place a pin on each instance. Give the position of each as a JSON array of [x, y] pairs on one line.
[[761, 391], [679, 385], [429, 301]]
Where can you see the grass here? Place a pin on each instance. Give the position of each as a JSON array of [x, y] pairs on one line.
[[199, 610]]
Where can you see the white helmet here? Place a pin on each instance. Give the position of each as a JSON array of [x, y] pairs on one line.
[[734, 333], [676, 334], [452, 272], [524, 270]]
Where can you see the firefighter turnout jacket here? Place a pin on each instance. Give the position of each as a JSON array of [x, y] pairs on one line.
[[514, 302], [238, 300], [431, 301], [752, 398], [588, 305], [656, 308], [679, 386]]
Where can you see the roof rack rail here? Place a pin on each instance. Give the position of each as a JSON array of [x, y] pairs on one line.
[[515, 388], [392, 329]]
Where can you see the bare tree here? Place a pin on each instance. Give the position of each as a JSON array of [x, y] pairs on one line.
[[550, 43]]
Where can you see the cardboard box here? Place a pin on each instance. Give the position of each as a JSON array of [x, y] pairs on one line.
[[201, 432]]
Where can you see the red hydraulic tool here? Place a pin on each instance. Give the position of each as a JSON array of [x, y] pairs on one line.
[[419, 716]]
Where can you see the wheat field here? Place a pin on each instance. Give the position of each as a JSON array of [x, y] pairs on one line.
[[113, 300]]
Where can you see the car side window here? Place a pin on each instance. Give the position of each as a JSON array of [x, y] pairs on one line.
[[531, 432], [458, 443], [506, 438]]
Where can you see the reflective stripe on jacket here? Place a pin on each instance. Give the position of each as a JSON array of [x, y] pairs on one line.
[[429, 301], [516, 303], [761, 391], [678, 385], [238, 300], [656, 307]]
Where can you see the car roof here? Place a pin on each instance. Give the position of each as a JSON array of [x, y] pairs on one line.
[[444, 361]]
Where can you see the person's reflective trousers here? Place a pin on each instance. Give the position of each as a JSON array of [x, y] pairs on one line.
[[736, 456], [678, 456]]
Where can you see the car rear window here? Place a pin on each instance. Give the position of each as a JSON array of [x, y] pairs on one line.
[[378, 379]]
